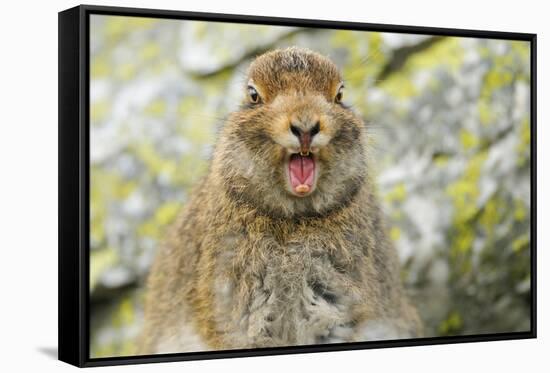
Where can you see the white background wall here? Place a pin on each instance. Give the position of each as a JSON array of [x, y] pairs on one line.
[[28, 184]]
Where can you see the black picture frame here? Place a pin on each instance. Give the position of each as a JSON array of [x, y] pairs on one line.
[[74, 146]]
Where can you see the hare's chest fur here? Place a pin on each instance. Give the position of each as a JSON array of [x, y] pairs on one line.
[[289, 295]]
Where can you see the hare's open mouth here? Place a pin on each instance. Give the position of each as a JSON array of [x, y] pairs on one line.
[[302, 174]]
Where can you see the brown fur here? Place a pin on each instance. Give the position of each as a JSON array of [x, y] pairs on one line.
[[247, 263]]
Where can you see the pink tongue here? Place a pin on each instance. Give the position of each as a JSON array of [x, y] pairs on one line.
[[302, 170]]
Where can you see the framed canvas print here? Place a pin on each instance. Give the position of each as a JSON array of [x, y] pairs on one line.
[[236, 186]]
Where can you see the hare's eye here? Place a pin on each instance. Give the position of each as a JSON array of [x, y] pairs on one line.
[[339, 95], [253, 94]]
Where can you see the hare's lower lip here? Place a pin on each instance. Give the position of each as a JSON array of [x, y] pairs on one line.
[[301, 173]]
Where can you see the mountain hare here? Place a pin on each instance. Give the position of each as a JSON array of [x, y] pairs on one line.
[[282, 243]]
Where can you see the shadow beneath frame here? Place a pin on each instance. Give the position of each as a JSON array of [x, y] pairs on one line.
[[51, 352]]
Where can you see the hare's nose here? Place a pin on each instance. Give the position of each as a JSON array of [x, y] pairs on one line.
[[305, 135]]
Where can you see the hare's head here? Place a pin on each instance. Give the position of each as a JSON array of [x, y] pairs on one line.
[[293, 148]]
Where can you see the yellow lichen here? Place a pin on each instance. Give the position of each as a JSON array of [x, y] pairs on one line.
[[468, 139], [101, 260], [520, 212], [520, 243], [156, 108], [395, 233], [397, 194]]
